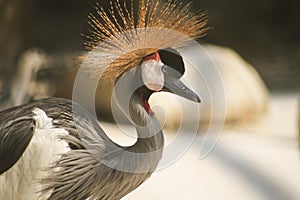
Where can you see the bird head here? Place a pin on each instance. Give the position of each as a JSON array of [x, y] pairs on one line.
[[141, 38], [159, 72], [143, 32], [163, 70]]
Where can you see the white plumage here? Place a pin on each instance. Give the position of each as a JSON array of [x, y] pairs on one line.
[[23, 180]]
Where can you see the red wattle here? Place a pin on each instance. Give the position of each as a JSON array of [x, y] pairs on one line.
[[147, 107], [154, 56]]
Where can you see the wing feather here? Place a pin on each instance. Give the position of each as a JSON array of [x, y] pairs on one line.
[[15, 135]]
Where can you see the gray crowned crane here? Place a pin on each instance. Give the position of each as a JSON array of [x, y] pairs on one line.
[[55, 149]]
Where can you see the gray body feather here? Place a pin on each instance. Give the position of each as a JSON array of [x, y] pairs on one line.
[[94, 168], [79, 173]]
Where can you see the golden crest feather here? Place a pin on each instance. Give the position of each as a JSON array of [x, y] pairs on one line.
[[127, 32]]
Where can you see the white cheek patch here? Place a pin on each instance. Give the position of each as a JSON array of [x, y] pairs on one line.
[[152, 75]]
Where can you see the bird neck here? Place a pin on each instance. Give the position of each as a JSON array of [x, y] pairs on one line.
[[148, 148], [150, 136], [132, 100]]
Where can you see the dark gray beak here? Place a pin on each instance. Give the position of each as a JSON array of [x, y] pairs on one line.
[[175, 86]]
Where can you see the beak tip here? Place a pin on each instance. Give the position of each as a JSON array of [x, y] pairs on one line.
[[197, 99]]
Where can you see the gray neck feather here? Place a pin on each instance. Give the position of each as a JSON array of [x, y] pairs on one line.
[[148, 128]]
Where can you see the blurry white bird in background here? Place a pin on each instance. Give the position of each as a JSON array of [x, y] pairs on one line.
[[38, 75]]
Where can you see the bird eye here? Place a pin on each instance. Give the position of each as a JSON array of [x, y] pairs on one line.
[[164, 68]]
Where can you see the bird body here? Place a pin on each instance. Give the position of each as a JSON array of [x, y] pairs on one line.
[[54, 142], [55, 149]]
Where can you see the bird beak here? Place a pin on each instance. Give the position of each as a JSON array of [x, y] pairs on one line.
[[175, 86]]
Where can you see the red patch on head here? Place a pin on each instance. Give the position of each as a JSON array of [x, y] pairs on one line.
[[154, 56]]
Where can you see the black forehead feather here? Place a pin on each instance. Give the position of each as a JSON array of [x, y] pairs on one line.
[[173, 59]]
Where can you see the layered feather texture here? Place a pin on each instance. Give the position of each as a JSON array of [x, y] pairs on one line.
[[127, 32]]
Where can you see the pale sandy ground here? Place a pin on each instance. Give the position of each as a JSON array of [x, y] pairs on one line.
[[260, 161]]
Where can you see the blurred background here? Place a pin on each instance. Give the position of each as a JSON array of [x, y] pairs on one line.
[[265, 33], [254, 159]]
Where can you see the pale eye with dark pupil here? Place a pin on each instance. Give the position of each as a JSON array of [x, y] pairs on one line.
[[164, 69]]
